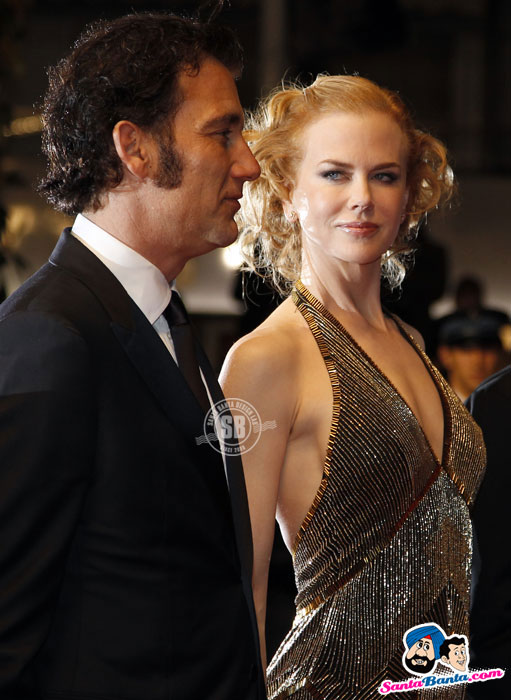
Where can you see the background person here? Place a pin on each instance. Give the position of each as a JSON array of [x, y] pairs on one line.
[[126, 552], [374, 460], [470, 350], [469, 299]]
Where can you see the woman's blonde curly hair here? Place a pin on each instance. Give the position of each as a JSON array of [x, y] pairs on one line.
[[269, 242]]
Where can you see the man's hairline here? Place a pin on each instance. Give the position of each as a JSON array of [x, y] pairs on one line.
[[192, 71]]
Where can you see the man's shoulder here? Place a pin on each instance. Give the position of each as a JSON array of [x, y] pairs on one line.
[[73, 284], [498, 384], [49, 289], [491, 401], [52, 301]]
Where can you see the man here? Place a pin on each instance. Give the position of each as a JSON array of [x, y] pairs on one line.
[[422, 648], [470, 350], [125, 556], [490, 618], [453, 653]]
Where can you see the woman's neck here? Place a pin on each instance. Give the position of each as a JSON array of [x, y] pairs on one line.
[[345, 287]]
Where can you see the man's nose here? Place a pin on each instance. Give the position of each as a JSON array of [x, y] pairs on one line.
[[246, 166]]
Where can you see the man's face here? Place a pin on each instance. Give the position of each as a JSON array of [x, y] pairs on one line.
[[421, 656], [457, 657], [467, 367], [197, 215]]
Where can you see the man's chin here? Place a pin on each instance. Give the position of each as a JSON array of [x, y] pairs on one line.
[[229, 235]]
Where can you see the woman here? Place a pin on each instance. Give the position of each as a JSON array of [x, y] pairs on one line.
[[373, 460]]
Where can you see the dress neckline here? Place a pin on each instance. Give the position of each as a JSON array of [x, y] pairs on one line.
[[321, 308]]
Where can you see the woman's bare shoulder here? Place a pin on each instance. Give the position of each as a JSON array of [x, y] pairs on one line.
[[263, 368], [273, 348]]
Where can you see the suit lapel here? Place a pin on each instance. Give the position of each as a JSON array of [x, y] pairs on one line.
[[136, 335], [239, 508], [235, 478], [161, 374]]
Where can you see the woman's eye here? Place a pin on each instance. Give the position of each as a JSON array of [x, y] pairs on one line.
[[386, 177], [333, 174]]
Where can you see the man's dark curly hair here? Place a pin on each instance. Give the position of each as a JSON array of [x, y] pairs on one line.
[[127, 68]]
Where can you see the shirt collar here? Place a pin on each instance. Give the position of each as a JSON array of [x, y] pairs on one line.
[[142, 280]]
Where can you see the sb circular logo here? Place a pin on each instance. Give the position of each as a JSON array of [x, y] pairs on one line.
[[232, 426]]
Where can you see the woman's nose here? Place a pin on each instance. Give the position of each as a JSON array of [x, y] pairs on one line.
[[360, 196]]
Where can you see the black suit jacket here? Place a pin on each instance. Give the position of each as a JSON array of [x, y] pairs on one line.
[[125, 554], [490, 622]]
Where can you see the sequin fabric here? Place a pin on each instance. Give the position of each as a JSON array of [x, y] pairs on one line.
[[386, 544]]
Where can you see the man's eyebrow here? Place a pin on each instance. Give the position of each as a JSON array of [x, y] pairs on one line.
[[224, 120]]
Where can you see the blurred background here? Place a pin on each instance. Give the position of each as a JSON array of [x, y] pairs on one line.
[[449, 59]]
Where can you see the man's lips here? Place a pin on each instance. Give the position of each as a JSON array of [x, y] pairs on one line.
[[233, 201], [234, 195]]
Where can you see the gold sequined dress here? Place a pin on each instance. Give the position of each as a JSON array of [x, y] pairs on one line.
[[386, 544]]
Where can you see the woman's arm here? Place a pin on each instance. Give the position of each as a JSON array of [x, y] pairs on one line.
[[259, 370]]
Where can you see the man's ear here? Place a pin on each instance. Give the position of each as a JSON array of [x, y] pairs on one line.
[[135, 148]]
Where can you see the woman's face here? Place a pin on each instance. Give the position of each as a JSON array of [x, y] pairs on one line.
[[350, 188]]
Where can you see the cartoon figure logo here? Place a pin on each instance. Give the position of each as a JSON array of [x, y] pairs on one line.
[[454, 653], [426, 646], [422, 648]]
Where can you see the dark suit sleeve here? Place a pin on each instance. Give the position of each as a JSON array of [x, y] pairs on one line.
[[490, 620], [46, 452]]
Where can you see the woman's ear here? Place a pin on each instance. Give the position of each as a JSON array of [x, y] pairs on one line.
[[289, 212], [135, 148]]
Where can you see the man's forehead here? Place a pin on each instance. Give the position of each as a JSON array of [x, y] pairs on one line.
[[210, 96], [211, 77]]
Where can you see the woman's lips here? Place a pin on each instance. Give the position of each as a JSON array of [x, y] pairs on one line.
[[359, 228]]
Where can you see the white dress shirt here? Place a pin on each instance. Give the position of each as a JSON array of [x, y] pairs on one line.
[[142, 280]]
